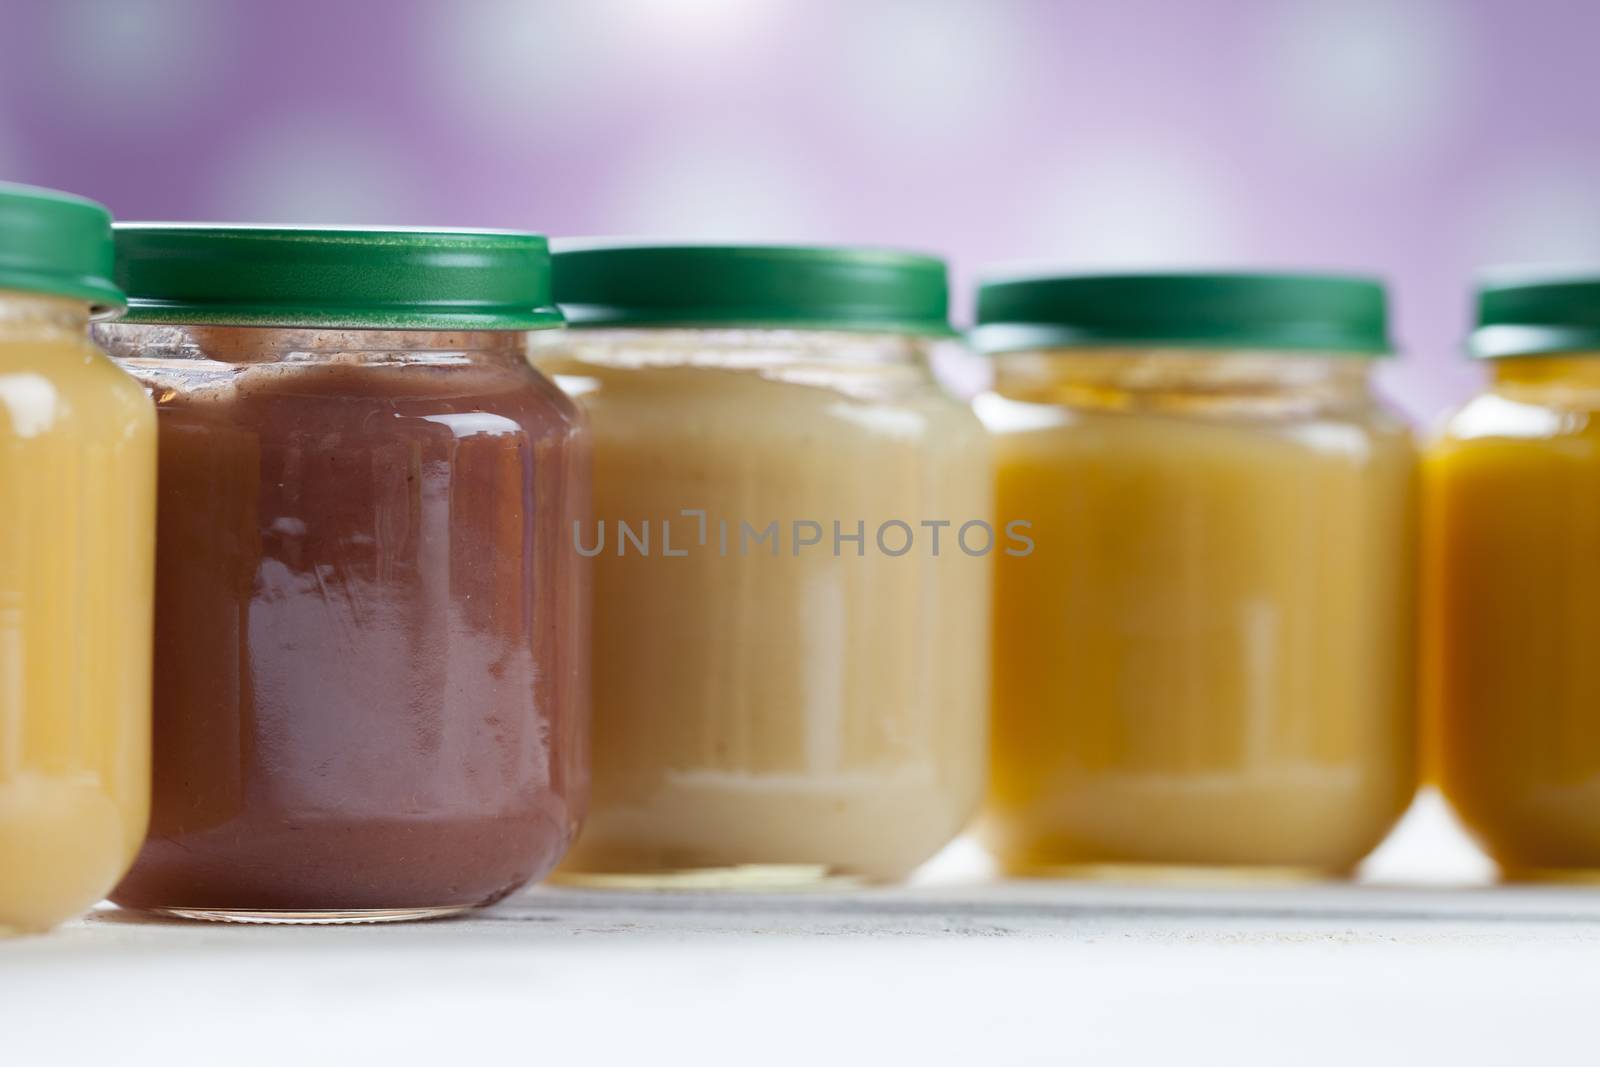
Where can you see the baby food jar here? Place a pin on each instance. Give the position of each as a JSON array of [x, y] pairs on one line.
[[791, 564], [1205, 665], [371, 643], [1512, 581], [77, 526]]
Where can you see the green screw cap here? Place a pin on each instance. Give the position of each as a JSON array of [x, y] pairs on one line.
[[356, 279], [1312, 313], [1535, 312], [57, 244], [783, 286]]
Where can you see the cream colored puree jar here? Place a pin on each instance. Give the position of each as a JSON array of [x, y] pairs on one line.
[[790, 678], [1205, 668]]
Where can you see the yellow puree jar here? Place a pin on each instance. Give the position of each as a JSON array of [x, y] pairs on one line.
[[1205, 667], [77, 522], [1512, 544], [791, 564]]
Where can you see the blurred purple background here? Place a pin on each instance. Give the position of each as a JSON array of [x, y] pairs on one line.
[[1419, 139]]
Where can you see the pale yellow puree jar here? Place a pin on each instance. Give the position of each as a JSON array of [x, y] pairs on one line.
[[77, 528]]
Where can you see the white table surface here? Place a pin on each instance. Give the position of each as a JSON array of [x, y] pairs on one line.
[[956, 969]]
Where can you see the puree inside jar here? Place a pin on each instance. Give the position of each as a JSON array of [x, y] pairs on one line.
[[1207, 662], [369, 659], [1512, 544], [790, 715], [77, 466]]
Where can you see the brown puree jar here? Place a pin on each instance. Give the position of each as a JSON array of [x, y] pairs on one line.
[[371, 625]]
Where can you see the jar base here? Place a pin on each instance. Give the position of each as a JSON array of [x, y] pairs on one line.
[[1180, 874], [310, 918], [744, 878]]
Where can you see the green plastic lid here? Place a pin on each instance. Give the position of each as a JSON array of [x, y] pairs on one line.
[[56, 244], [1324, 314], [1538, 311], [608, 284], [395, 279]]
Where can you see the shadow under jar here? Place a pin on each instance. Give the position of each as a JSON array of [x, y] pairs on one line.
[[371, 646], [1205, 669], [798, 707]]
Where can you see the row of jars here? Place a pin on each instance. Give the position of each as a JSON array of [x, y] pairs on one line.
[[307, 591]]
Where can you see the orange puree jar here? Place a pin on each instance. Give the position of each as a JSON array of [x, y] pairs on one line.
[[1512, 547], [1205, 668], [77, 528]]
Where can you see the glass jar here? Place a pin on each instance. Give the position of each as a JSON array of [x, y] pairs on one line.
[[800, 657], [77, 502], [371, 647], [1512, 544], [1205, 665]]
